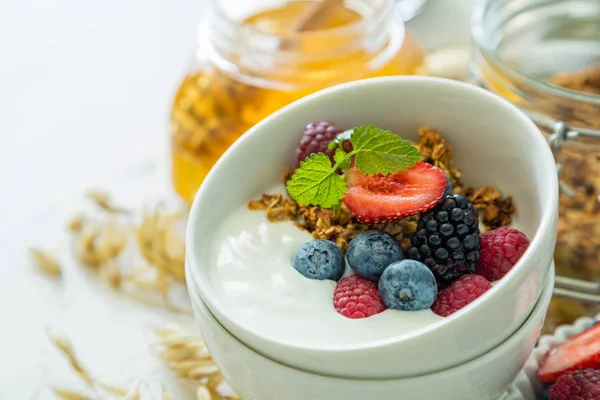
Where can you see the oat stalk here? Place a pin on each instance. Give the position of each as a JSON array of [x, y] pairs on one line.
[[67, 394], [63, 344], [103, 201], [46, 262], [189, 358]]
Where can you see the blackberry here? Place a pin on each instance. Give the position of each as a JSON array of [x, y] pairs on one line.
[[317, 136], [447, 239]]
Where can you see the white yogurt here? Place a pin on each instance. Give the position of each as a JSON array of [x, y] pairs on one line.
[[251, 271]]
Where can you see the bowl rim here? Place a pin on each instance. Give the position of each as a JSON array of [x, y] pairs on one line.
[[539, 308], [548, 210]]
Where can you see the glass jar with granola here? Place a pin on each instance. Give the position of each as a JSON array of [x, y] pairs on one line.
[[544, 57], [254, 57]]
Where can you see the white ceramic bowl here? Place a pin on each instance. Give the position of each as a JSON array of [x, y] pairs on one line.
[[494, 144], [255, 377], [526, 385]]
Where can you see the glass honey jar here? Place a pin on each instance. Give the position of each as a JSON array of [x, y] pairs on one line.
[[544, 57], [254, 57]]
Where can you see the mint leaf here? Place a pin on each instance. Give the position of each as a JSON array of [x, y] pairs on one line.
[[316, 183], [380, 151], [341, 159]]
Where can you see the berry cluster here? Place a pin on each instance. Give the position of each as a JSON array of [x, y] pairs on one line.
[[449, 263], [571, 370]]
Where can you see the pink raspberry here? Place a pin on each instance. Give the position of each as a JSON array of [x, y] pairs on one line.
[[461, 292], [357, 297], [317, 137], [500, 250], [580, 385]]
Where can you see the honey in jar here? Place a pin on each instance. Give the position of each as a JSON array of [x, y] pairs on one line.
[[251, 61]]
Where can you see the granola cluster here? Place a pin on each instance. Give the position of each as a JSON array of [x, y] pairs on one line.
[[495, 211], [586, 81], [341, 226]]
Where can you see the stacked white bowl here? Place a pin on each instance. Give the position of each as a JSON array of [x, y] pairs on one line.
[[472, 354]]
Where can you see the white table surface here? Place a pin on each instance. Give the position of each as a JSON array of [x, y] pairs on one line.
[[85, 89]]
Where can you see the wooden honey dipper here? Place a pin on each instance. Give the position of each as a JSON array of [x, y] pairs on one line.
[[313, 18], [316, 15]]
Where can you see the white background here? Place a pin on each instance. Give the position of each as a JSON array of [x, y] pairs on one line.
[[85, 90]]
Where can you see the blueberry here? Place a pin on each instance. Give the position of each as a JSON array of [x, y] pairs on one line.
[[407, 285], [371, 252], [320, 259], [449, 188]]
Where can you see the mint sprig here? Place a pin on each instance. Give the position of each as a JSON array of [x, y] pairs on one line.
[[376, 151], [381, 152], [315, 182]]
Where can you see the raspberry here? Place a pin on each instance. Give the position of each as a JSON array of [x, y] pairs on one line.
[[447, 238], [460, 293], [500, 250], [317, 135], [357, 297], [580, 385]]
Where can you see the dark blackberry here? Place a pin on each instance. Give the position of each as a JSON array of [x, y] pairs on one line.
[[447, 239], [317, 136]]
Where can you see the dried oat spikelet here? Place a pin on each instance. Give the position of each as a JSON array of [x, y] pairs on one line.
[[214, 382], [178, 353], [66, 394], [161, 247], [187, 357], [142, 278], [111, 388], [168, 330], [75, 224], [205, 371], [46, 262], [102, 200], [114, 239], [85, 247], [166, 395], [203, 393], [62, 343], [96, 245], [111, 273], [133, 394], [183, 368]]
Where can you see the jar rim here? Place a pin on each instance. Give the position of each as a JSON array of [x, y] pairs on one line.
[[353, 29], [271, 60], [481, 39]]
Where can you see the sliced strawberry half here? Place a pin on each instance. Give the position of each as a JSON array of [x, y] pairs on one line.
[[380, 198], [579, 352]]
